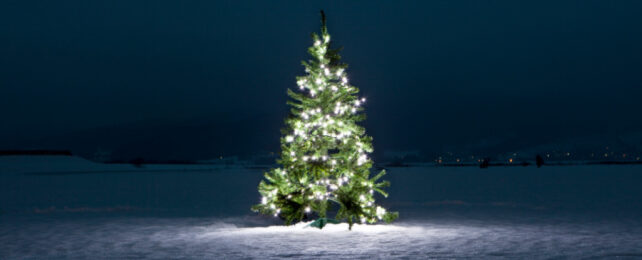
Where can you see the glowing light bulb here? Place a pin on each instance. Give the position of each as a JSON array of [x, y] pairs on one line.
[[307, 209], [380, 212], [362, 159]]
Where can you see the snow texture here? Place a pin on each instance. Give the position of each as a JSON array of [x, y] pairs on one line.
[[68, 208]]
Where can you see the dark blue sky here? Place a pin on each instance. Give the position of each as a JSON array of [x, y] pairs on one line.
[[436, 73]]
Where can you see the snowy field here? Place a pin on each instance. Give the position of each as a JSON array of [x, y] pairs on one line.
[[69, 208]]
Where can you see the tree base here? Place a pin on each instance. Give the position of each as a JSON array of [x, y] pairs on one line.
[[321, 222]]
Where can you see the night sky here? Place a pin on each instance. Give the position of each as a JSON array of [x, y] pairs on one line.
[[197, 79]]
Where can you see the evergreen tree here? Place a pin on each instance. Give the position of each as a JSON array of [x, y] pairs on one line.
[[324, 152]]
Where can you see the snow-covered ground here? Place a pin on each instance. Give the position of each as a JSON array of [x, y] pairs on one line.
[[69, 208]]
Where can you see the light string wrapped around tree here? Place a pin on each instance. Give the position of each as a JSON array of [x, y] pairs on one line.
[[324, 152]]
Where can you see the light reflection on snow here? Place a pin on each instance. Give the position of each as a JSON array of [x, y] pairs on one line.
[[207, 238], [328, 229]]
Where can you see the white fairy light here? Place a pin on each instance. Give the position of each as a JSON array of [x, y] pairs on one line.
[[380, 212], [318, 81], [289, 138], [362, 159], [327, 72], [339, 72], [292, 153], [307, 209]]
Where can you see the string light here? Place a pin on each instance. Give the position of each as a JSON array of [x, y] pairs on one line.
[[323, 135]]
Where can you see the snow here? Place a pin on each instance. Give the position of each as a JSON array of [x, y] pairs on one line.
[[69, 208]]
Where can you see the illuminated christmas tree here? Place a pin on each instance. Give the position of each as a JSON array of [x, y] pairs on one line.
[[324, 152]]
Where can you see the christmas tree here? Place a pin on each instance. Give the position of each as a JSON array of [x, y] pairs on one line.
[[324, 152]]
